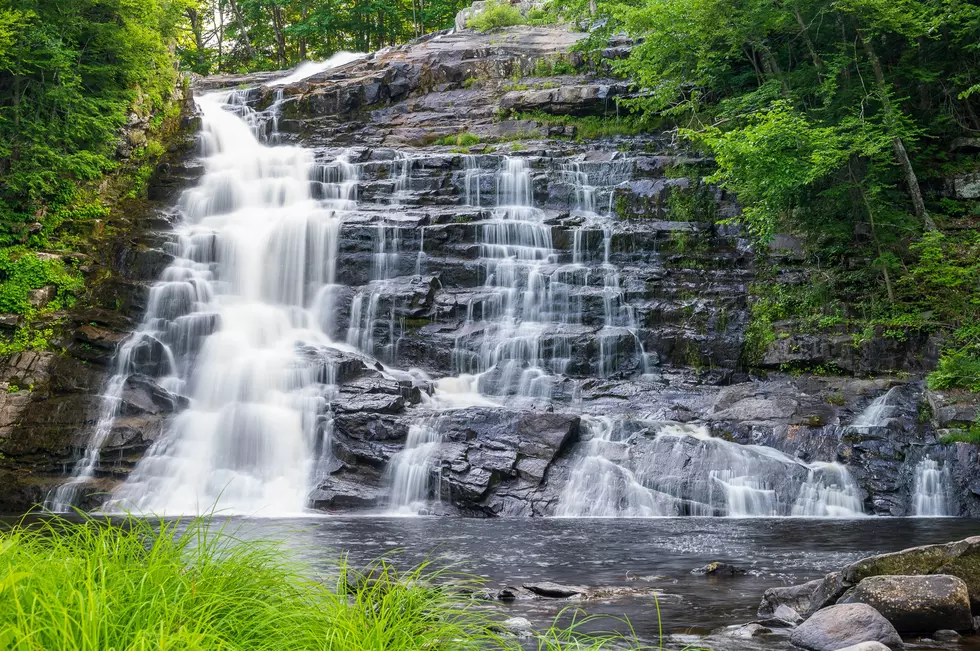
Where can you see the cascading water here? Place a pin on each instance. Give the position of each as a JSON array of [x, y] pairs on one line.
[[236, 317], [932, 491], [878, 412], [637, 469], [387, 251], [829, 491], [240, 323], [514, 311], [414, 475]]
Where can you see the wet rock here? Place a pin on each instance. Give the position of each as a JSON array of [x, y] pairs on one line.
[[946, 635], [517, 624], [865, 646], [509, 594], [804, 599], [746, 631], [840, 626], [782, 617], [719, 569], [553, 590], [916, 604]]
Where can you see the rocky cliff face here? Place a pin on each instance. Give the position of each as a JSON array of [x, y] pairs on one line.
[[653, 292]]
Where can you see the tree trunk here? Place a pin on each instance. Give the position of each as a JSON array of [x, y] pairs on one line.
[[901, 155], [302, 39], [814, 56], [244, 30], [874, 234], [277, 27], [220, 29], [198, 30]]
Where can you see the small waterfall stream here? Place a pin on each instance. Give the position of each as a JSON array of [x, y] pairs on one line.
[[932, 491], [636, 469]]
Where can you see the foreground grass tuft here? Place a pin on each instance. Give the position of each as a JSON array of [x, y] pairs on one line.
[[141, 585]]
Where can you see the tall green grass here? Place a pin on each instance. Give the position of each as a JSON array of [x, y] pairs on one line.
[[140, 585]]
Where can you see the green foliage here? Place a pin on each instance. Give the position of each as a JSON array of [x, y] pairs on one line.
[[22, 271], [70, 74], [958, 369], [496, 15], [461, 140], [832, 121], [193, 585], [970, 435]]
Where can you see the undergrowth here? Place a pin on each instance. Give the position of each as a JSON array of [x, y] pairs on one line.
[[140, 585], [496, 15]]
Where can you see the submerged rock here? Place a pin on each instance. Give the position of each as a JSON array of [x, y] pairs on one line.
[[916, 604], [845, 625], [719, 569]]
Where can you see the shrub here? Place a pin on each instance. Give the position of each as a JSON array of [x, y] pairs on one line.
[[461, 140], [496, 15], [958, 369], [21, 272]]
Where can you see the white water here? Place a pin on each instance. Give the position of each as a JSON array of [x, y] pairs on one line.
[[310, 68], [829, 491], [241, 312], [236, 322], [627, 470], [878, 412], [932, 493]]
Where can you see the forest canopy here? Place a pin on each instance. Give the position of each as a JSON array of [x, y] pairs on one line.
[[846, 123]]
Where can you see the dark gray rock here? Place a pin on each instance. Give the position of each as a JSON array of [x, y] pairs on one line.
[[837, 627], [553, 590], [719, 569], [916, 604], [804, 599]]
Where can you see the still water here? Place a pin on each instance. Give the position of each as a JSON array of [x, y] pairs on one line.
[[634, 553]]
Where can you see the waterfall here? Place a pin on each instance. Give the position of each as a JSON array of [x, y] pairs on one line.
[[236, 321], [932, 491], [829, 491], [600, 487], [310, 68], [878, 412], [414, 473], [515, 312], [642, 469], [65, 496], [369, 301]]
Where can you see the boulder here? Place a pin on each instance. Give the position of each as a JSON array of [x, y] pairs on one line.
[[804, 600], [960, 559], [916, 604], [845, 625]]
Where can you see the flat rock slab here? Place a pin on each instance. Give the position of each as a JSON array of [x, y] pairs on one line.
[[845, 625], [554, 590], [916, 604]]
